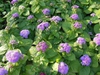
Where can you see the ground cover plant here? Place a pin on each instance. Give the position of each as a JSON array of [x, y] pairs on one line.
[[51, 37]]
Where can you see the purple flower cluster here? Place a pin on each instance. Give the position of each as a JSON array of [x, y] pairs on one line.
[[96, 39], [30, 17], [74, 16], [56, 19], [93, 14], [77, 25], [15, 15], [85, 60], [63, 68], [3, 71], [75, 6], [13, 56], [13, 42], [81, 40], [46, 11], [43, 25], [41, 46], [24, 33], [64, 47], [14, 1]]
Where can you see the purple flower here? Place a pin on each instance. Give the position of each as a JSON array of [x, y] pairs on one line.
[[64, 47], [30, 17], [3, 71], [63, 68], [41, 46], [93, 14], [85, 60], [96, 39], [90, 23], [13, 42], [56, 19], [14, 1], [15, 15], [24, 33], [42, 73], [77, 25], [46, 11], [69, 1], [75, 6], [13, 56], [74, 16], [43, 25], [81, 40]]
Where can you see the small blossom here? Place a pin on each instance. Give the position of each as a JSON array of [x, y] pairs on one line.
[[30, 17], [85, 60], [96, 39], [90, 23], [41, 46], [15, 15], [90, 33], [43, 25], [13, 42], [13, 56], [81, 40], [46, 11], [21, 7], [42, 73], [74, 16], [39, 20], [75, 6], [3, 71], [97, 35], [14, 1], [24, 33], [68, 1], [93, 14], [77, 25], [64, 47], [56, 19], [63, 68]]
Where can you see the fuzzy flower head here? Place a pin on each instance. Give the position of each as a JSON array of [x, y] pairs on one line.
[[3, 71], [77, 25], [15, 15], [24, 33], [30, 17], [74, 16], [56, 19], [85, 60], [96, 39], [42, 73], [81, 40], [63, 68], [41, 46], [64, 47], [75, 6], [42, 26], [13, 56], [46, 11], [93, 14], [14, 1]]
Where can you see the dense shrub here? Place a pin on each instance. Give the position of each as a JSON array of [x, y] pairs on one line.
[[51, 37]]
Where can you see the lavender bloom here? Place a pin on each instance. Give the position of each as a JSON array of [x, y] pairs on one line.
[[42, 73], [90, 33], [96, 39], [93, 14], [64, 47], [75, 6], [74, 16], [90, 23], [56, 19], [30, 17], [3, 71], [43, 25], [15, 15], [13, 56], [41, 46], [14, 1], [77, 25], [25, 33], [63, 68], [85, 60], [81, 40], [69, 1], [13, 42], [46, 11]]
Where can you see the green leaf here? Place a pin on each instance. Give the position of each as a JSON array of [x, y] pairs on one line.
[[95, 61], [35, 9], [84, 71], [97, 28], [15, 71], [71, 57], [55, 67], [3, 49]]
